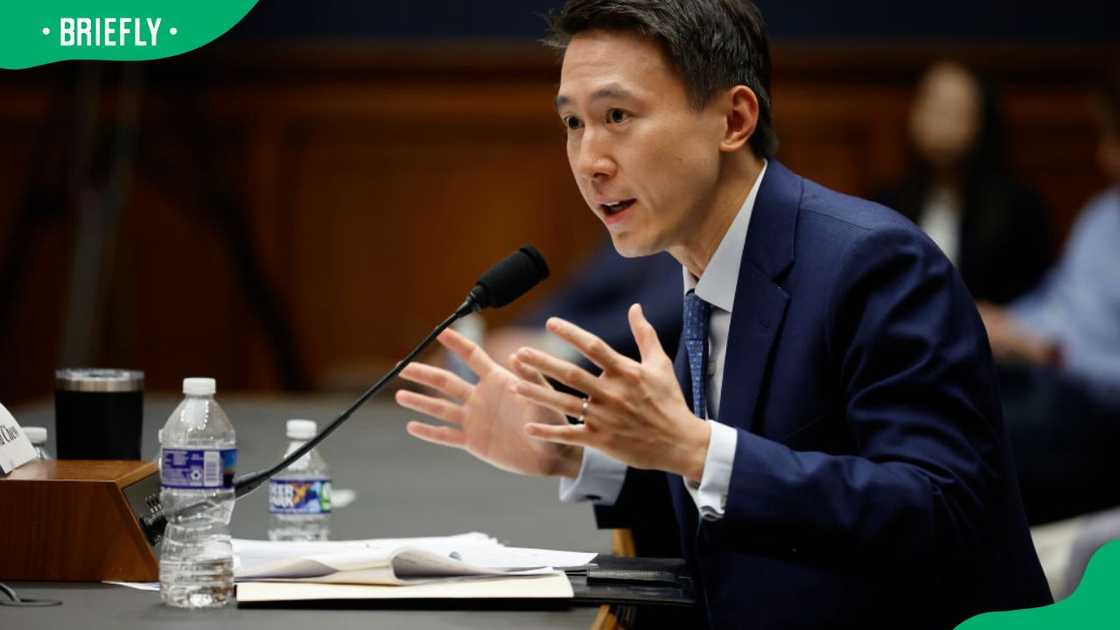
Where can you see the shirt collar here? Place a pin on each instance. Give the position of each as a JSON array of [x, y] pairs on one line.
[[716, 285]]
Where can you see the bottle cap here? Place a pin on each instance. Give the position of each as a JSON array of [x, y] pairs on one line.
[[37, 435], [199, 386], [302, 429]]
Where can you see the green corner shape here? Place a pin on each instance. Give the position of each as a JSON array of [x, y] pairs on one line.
[[38, 32], [1095, 604]]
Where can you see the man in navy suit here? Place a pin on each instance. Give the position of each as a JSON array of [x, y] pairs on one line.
[[828, 444]]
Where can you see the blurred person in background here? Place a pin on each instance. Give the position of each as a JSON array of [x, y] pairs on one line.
[[962, 192], [1059, 353]]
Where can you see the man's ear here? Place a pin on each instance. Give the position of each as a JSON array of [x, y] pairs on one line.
[[741, 118]]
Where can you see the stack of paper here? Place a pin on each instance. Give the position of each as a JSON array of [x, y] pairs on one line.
[[464, 566]]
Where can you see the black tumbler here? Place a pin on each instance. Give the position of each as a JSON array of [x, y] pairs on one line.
[[98, 414]]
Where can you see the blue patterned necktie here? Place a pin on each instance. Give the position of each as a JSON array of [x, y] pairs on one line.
[[696, 314]]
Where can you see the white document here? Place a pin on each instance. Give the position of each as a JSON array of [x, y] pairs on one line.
[[248, 554], [472, 565], [403, 565], [524, 557], [550, 586], [395, 561], [140, 586], [15, 448]]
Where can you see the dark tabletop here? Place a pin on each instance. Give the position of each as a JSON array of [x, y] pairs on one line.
[[404, 488]]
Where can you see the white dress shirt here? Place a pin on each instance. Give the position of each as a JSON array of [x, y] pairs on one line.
[[601, 476]]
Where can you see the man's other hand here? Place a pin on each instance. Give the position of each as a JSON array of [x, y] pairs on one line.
[[487, 419], [636, 412]]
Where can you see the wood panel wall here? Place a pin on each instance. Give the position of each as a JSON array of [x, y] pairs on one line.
[[376, 183]]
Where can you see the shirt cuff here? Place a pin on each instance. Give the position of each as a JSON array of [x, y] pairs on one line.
[[710, 494], [600, 480]]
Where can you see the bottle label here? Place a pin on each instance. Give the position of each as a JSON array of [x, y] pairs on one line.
[[197, 468], [303, 496]]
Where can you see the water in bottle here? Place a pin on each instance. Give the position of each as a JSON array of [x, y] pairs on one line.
[[197, 458], [38, 438], [299, 497]]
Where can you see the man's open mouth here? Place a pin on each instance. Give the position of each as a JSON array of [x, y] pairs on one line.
[[611, 209]]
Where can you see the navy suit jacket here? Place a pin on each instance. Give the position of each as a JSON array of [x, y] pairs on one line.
[[872, 484]]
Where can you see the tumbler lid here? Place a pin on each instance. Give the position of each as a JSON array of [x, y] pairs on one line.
[[98, 380]]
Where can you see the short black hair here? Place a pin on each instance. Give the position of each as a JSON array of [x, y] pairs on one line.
[[712, 44]]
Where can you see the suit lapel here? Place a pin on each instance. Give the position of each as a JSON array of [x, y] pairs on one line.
[[760, 308], [760, 302]]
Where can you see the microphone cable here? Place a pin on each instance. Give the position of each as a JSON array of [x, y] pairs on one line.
[[15, 601]]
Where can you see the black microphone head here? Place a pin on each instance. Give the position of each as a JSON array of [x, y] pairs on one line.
[[510, 278]]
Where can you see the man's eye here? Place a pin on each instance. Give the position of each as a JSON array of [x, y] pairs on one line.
[[617, 115], [571, 122]]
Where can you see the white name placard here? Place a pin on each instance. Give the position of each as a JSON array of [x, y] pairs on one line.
[[15, 448]]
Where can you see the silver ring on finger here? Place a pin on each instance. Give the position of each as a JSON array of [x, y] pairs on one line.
[[583, 410]]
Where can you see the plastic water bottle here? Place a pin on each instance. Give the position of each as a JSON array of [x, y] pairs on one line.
[[38, 438], [197, 458], [299, 497]]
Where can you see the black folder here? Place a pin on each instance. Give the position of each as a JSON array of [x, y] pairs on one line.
[[639, 581]]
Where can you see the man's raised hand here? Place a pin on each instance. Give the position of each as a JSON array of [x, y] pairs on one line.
[[487, 419]]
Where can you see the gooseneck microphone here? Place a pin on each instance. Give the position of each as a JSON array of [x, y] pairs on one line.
[[507, 280]]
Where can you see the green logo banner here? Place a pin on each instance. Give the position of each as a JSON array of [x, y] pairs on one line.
[[37, 32], [1093, 605]]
